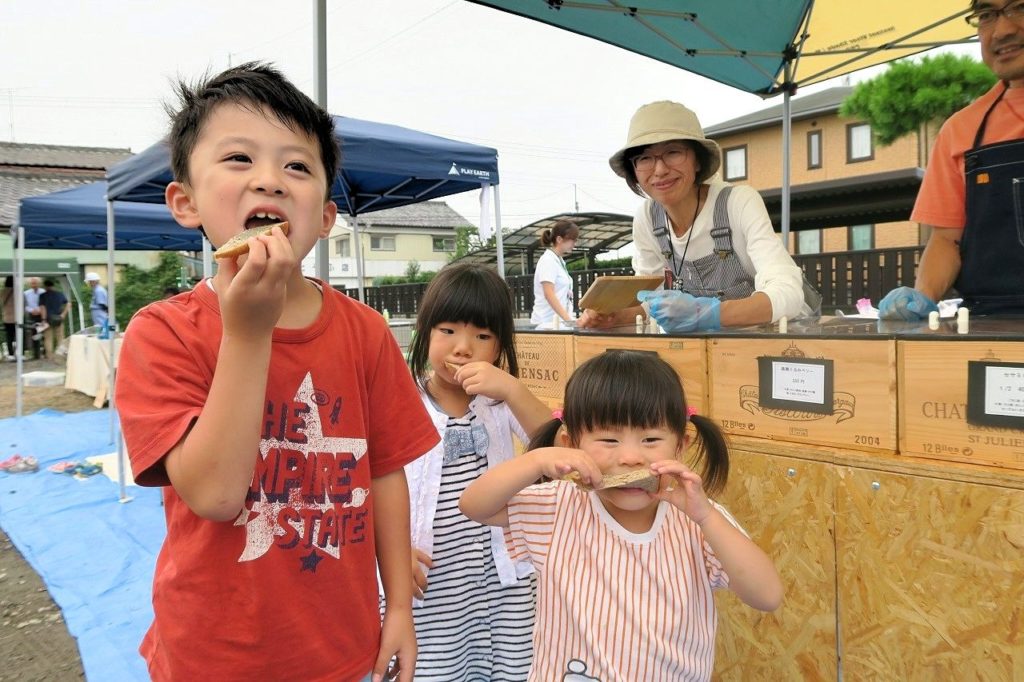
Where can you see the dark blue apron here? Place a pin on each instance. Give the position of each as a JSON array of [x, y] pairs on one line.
[[991, 278]]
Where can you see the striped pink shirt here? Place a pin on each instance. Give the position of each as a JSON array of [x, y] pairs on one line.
[[614, 605]]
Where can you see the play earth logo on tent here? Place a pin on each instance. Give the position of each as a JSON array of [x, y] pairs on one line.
[[455, 170]]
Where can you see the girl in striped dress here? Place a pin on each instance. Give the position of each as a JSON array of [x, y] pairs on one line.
[[475, 606], [625, 575]]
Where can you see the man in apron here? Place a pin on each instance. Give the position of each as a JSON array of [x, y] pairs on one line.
[[972, 195]]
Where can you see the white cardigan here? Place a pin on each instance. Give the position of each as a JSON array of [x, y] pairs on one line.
[[424, 478]]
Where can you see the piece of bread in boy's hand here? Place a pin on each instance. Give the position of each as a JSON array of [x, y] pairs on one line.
[[239, 244], [640, 478]]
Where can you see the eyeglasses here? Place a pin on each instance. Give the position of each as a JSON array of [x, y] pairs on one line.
[[673, 158], [984, 18]]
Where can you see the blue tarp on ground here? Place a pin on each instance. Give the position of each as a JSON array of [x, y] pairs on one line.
[[382, 166], [77, 219], [95, 554]]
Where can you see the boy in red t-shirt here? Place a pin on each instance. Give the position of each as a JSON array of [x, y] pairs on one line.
[[277, 412]]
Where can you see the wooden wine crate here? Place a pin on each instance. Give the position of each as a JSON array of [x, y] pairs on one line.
[[545, 363], [854, 407], [687, 355], [933, 406]]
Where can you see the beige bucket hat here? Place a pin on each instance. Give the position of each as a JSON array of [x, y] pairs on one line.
[[660, 122]]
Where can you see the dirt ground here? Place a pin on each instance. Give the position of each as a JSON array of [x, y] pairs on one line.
[[34, 640]]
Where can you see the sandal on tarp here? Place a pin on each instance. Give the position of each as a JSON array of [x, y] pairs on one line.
[[10, 461], [25, 466], [85, 470], [63, 467]]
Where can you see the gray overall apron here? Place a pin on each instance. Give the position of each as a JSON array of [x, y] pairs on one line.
[[720, 274], [991, 278]]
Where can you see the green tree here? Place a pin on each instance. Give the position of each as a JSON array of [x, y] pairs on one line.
[[137, 287], [412, 270], [468, 239], [910, 94]]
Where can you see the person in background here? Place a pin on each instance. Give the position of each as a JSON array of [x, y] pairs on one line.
[[7, 298], [34, 314], [56, 306], [98, 305], [552, 284], [723, 263], [626, 576], [475, 620], [276, 413], [967, 196]]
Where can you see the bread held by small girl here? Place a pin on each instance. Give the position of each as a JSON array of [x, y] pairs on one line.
[[625, 576], [474, 609]]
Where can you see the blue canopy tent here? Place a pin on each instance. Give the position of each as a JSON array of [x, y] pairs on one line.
[[78, 218], [768, 47], [382, 166]]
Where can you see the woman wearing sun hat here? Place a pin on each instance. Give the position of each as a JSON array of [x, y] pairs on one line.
[[723, 263]]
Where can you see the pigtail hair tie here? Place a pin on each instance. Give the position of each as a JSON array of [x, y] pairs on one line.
[[556, 414]]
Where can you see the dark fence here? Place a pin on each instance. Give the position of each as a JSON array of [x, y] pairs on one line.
[[842, 277]]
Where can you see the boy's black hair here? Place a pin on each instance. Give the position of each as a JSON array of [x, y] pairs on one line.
[[259, 87], [48, 282], [469, 293], [628, 388]]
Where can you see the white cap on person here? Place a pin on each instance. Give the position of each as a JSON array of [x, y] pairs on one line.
[[92, 277]]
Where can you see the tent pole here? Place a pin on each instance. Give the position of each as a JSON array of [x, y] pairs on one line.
[[357, 251], [207, 258], [19, 317], [111, 317], [497, 231], [322, 249], [787, 131], [115, 436]]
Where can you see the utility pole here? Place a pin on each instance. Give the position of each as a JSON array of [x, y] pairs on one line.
[[575, 198]]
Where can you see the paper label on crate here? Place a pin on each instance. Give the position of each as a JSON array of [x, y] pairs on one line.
[[804, 384], [799, 382], [1004, 391], [995, 393]]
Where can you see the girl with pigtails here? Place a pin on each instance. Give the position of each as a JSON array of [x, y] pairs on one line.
[[625, 574]]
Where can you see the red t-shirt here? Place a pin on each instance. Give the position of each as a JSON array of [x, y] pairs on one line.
[[941, 201], [288, 591]]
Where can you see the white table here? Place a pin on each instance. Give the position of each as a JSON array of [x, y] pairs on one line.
[[88, 366]]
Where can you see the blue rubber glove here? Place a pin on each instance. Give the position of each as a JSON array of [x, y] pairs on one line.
[[904, 303], [678, 311]]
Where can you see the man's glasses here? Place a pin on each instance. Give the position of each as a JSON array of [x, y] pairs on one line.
[[983, 18], [673, 158]]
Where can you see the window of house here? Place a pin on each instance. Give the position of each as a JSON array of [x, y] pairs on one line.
[[814, 149], [444, 243], [861, 237], [858, 143], [808, 241], [342, 248], [382, 243], [736, 163]]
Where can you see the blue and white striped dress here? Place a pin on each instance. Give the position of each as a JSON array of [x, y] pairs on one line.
[[470, 627]]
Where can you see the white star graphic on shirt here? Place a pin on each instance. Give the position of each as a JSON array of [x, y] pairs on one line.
[[261, 520]]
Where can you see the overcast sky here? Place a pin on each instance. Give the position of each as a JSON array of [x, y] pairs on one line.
[[555, 105]]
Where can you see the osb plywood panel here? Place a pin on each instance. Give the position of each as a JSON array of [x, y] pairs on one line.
[[687, 356], [545, 363], [863, 398], [785, 505], [931, 578], [933, 403]]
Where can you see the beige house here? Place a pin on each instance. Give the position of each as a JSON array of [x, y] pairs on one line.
[[391, 239], [848, 193]]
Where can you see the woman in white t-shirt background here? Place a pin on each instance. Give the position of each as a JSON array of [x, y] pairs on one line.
[[552, 284]]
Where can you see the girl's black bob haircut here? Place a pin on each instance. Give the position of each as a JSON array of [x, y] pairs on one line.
[[468, 293], [624, 388]]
